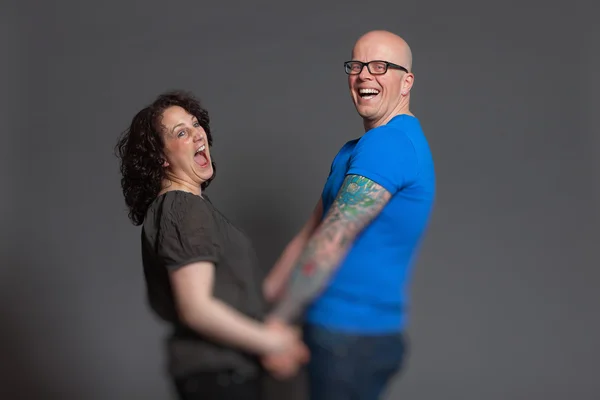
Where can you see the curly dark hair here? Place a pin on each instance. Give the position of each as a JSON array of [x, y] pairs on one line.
[[140, 150]]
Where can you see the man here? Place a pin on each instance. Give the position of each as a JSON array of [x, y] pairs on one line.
[[349, 266]]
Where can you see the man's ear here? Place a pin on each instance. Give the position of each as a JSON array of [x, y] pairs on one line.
[[407, 83]]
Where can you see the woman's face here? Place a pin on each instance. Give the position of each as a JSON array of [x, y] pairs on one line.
[[186, 148]]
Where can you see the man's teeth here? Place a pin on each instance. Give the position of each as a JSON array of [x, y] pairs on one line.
[[368, 91]]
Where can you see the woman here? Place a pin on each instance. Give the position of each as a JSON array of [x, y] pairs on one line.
[[201, 271]]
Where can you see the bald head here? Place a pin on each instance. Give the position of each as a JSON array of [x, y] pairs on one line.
[[383, 45], [378, 94]]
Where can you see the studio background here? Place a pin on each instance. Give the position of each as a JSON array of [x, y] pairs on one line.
[[505, 292]]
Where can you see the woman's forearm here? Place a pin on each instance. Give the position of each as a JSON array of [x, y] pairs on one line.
[[229, 327]]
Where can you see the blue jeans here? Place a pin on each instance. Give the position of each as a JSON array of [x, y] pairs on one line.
[[351, 367]]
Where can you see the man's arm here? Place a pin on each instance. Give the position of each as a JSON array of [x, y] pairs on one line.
[[279, 275], [358, 202]]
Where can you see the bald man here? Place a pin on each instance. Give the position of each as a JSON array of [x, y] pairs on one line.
[[348, 269]]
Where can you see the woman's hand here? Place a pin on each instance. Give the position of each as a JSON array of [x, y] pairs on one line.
[[289, 354]]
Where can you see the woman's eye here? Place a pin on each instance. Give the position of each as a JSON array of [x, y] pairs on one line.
[[181, 134], [196, 124]]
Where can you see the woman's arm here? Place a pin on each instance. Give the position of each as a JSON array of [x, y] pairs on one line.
[[198, 309]]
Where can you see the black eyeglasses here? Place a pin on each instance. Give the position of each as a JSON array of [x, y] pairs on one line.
[[376, 67]]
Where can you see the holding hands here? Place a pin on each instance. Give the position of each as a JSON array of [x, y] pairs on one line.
[[289, 352], [293, 353]]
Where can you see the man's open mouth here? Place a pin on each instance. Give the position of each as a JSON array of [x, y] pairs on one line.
[[367, 94]]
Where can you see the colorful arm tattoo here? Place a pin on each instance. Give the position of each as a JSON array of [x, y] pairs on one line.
[[358, 202]]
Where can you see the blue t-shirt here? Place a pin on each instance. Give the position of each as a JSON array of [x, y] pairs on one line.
[[368, 293]]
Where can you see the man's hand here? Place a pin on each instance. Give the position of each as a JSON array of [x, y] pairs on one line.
[[285, 364]]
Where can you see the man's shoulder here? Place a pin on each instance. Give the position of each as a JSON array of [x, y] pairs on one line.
[[405, 124], [345, 151], [394, 134], [348, 145], [408, 128]]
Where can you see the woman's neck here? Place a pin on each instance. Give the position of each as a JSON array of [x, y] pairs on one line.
[[172, 184]]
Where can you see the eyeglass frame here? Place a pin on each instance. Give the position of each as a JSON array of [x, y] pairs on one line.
[[388, 65]]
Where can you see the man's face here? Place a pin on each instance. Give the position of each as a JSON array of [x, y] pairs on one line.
[[376, 97]]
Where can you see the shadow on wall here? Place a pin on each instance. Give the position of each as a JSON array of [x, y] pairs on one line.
[[267, 229], [266, 226], [22, 373]]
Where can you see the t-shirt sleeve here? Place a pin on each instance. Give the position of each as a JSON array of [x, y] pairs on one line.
[[187, 234], [385, 156]]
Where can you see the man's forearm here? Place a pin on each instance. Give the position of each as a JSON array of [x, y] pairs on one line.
[[280, 274], [311, 272], [288, 259], [358, 202]]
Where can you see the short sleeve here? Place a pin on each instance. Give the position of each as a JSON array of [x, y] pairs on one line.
[[187, 233], [385, 156]]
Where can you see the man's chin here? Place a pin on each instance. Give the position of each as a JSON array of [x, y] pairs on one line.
[[365, 113], [365, 110]]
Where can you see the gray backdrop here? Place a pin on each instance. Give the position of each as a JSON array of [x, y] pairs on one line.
[[505, 294]]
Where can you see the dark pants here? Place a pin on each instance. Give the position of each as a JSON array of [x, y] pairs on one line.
[[351, 367], [218, 386]]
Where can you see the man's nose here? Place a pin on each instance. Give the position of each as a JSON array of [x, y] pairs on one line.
[[365, 74]]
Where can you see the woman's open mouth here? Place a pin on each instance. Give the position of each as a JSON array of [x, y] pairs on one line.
[[200, 157]]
